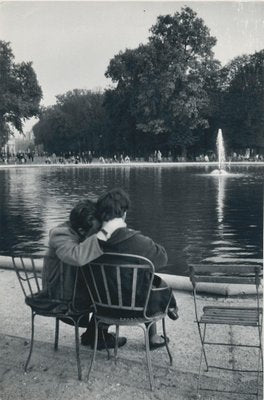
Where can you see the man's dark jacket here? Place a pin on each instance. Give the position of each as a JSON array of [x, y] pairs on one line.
[[125, 240]]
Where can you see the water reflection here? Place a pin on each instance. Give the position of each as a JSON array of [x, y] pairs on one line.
[[234, 228], [194, 215], [220, 200], [224, 243]]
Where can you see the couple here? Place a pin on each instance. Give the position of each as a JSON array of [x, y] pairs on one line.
[[92, 229]]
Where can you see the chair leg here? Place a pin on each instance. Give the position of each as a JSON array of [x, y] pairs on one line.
[[260, 342], [56, 334], [258, 374], [202, 336], [199, 375], [260, 356], [95, 346], [77, 349], [146, 334], [260, 360], [32, 339], [116, 342], [165, 338]]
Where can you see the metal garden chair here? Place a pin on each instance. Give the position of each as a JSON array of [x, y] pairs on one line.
[[228, 315], [120, 286], [29, 277]]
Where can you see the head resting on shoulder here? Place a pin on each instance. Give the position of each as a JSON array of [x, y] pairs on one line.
[[113, 204], [83, 218]]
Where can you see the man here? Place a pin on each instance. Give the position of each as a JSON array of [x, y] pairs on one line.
[[73, 244], [117, 237]]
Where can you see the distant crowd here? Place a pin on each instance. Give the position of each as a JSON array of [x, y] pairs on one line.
[[89, 157]]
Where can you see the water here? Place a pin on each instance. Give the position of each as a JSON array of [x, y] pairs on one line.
[[195, 215]]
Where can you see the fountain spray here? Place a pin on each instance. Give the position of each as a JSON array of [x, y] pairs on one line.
[[221, 155]]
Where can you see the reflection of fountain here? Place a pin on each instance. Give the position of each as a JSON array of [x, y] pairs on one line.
[[220, 201], [221, 154]]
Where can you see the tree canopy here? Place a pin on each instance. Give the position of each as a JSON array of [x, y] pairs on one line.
[[169, 94], [243, 101], [20, 93], [76, 122], [163, 85]]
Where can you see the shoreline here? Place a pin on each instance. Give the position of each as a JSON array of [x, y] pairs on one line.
[[176, 282], [135, 163]]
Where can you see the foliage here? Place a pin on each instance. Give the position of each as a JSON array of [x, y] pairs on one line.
[[163, 85], [20, 93], [75, 123], [243, 101], [169, 94]]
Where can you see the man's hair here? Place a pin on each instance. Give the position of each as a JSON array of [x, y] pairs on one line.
[[112, 204], [82, 215]]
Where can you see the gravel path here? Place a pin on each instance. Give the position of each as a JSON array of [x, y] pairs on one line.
[[54, 375]]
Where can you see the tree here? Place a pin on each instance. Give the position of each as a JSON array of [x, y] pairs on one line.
[[50, 121], [20, 93], [243, 101], [76, 122], [165, 82]]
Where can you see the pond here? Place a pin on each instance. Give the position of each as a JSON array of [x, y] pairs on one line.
[[195, 215]]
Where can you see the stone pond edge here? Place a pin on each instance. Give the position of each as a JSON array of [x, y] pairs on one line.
[[176, 282]]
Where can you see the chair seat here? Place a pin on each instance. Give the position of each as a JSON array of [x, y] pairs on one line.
[[230, 316], [40, 303], [45, 306]]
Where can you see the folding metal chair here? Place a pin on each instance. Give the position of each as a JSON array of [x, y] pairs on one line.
[[228, 315], [120, 287], [30, 281]]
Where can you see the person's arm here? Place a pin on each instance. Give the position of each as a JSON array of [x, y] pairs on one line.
[[153, 251], [158, 255], [70, 250]]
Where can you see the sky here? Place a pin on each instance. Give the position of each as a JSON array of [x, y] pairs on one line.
[[71, 42]]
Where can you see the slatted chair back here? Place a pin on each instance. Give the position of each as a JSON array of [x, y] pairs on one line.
[[241, 274], [120, 282], [232, 274], [28, 273]]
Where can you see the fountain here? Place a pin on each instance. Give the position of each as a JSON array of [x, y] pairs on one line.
[[221, 155]]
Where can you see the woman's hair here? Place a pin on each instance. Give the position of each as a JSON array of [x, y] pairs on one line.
[[82, 215], [112, 204]]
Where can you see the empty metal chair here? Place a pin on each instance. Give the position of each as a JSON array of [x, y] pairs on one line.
[[227, 315], [120, 286], [28, 271]]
